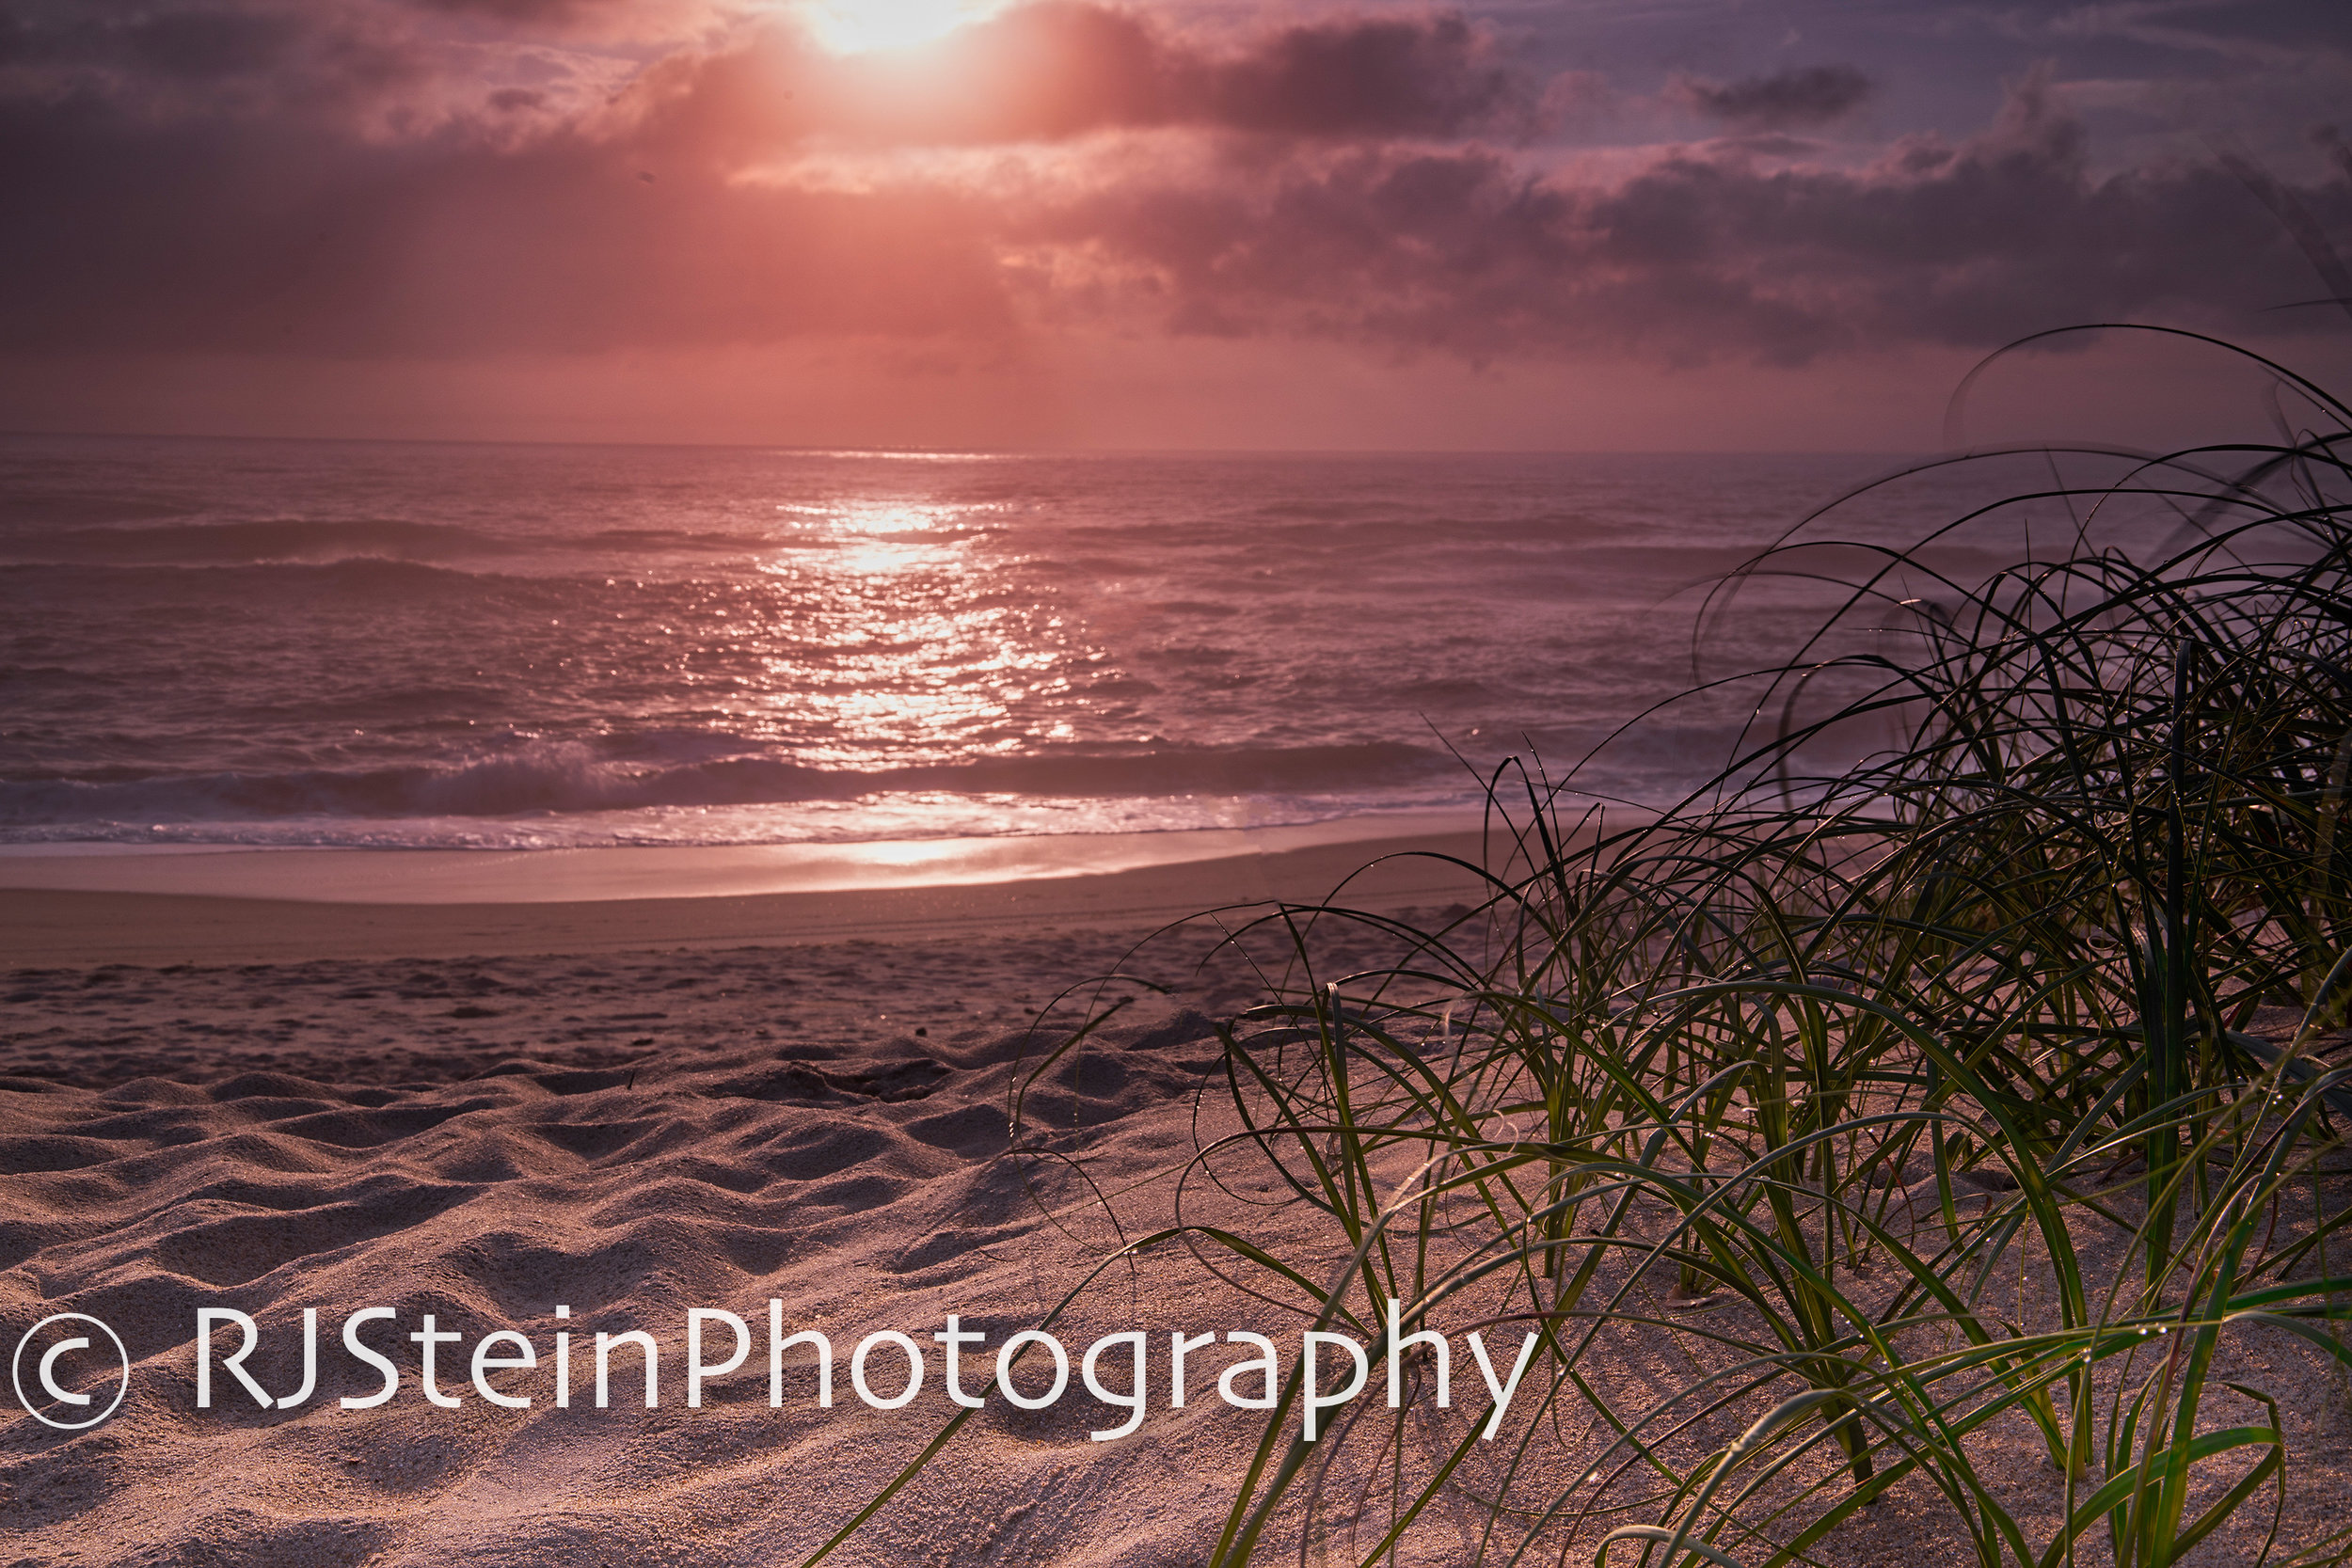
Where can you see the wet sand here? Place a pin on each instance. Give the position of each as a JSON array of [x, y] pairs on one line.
[[279, 906]]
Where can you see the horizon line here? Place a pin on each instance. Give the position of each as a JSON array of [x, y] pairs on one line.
[[951, 452]]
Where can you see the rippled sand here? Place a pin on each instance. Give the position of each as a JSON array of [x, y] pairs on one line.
[[634, 1135]]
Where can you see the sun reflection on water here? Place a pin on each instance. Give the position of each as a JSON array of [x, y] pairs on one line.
[[884, 516], [897, 634]]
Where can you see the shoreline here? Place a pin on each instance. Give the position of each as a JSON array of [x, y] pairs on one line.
[[76, 909]]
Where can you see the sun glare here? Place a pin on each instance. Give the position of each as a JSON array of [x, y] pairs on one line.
[[854, 26]]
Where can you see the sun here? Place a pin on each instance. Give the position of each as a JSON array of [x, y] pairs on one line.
[[854, 26]]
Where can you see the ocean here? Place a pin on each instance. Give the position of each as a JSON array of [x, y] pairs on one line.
[[519, 646]]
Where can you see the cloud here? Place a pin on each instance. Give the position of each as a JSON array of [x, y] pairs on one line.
[[518, 10], [1701, 254], [1054, 70], [206, 45], [1439, 77], [364, 185], [2167, 24], [1787, 100], [333, 65]]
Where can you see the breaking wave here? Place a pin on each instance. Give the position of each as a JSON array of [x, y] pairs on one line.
[[569, 777]]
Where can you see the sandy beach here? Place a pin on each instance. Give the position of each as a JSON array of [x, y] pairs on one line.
[[630, 1109]]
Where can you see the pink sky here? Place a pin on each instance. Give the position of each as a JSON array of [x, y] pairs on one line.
[[1608, 225]]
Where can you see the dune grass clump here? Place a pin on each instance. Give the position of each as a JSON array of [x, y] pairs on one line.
[[1925, 1138], [1976, 1091]]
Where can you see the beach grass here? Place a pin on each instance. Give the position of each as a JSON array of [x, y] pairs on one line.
[[1954, 1082]]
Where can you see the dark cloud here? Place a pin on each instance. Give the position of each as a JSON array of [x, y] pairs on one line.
[[1701, 257], [1787, 100], [192, 44], [1434, 78], [210, 43], [208, 61]]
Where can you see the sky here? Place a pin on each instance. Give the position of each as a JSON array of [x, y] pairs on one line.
[[1701, 225]]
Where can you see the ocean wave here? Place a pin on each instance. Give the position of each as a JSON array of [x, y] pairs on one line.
[[567, 777], [303, 542], [257, 541]]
